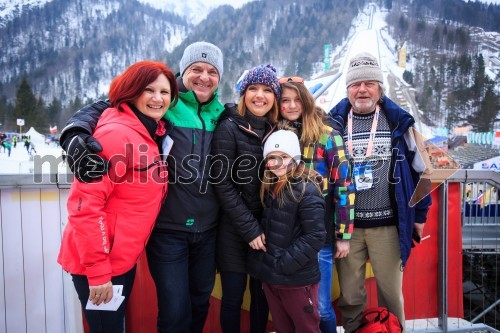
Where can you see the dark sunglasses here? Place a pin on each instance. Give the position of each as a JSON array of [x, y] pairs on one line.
[[296, 79]]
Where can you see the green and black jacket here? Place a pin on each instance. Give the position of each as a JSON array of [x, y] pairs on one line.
[[191, 204]]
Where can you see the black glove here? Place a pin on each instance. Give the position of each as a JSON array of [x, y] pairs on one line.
[[82, 159]]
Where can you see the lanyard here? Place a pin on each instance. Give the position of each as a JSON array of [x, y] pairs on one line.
[[369, 148]]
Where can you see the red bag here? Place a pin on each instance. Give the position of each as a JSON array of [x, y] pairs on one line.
[[379, 320]]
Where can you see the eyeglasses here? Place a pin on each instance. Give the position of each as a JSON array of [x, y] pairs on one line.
[[296, 79]]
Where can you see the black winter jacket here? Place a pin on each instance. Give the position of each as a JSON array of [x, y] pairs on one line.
[[294, 234], [237, 161]]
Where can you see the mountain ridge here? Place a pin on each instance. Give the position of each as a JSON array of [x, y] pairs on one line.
[[76, 47]]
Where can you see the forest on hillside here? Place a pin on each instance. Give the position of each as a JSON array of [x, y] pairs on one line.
[[452, 87]]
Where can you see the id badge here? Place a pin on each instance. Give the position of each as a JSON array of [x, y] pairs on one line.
[[363, 176]]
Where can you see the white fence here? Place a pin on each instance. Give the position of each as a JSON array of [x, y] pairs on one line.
[[36, 295]]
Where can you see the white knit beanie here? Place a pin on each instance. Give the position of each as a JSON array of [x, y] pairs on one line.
[[202, 52], [283, 141], [363, 67]]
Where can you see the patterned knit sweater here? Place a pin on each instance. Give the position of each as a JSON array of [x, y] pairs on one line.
[[373, 207]]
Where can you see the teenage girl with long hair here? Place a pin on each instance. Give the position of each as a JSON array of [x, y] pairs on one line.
[[323, 150]]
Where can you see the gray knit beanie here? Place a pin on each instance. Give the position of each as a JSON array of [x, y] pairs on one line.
[[202, 52], [363, 67]]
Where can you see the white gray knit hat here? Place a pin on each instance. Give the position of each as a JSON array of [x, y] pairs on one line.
[[283, 141], [363, 67], [202, 52]]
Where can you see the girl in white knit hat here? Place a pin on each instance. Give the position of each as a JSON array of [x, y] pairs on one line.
[[294, 231]]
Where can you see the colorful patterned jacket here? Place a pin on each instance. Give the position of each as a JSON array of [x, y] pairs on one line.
[[328, 158]]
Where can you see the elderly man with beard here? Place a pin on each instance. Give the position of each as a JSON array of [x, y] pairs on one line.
[[387, 162]]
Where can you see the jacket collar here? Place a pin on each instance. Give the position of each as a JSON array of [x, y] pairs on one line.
[[149, 123], [243, 124]]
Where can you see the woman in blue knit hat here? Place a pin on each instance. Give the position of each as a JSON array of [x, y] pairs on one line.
[[237, 169]]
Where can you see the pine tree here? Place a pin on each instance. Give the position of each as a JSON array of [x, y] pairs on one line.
[[479, 77], [408, 77], [6, 117], [484, 119], [41, 120], [25, 104], [77, 104], [54, 111], [436, 38], [452, 117]]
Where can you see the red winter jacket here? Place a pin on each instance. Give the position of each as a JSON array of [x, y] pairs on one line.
[[109, 222]]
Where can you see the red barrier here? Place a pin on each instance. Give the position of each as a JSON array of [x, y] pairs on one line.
[[419, 285]]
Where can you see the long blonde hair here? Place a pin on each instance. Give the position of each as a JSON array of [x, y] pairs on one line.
[[313, 117], [295, 173]]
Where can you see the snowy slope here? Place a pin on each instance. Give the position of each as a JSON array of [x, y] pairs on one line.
[[369, 34]]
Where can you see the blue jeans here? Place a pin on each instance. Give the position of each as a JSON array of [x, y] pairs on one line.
[[327, 314], [182, 265], [233, 287], [105, 321]]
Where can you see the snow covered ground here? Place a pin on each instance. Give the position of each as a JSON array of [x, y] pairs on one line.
[[48, 158]]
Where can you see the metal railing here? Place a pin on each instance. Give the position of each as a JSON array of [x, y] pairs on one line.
[[480, 242]]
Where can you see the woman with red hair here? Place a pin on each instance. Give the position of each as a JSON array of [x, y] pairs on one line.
[[110, 221]]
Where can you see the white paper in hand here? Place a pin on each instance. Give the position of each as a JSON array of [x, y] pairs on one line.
[[112, 305], [117, 289]]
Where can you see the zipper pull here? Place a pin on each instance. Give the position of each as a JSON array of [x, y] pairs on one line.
[[194, 138]]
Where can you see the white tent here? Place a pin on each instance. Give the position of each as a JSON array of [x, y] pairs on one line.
[[35, 136]]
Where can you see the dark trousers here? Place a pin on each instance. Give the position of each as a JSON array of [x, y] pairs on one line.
[[105, 321], [233, 289], [182, 265], [294, 308]]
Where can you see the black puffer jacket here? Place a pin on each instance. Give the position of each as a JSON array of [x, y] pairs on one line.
[[294, 233], [237, 161]]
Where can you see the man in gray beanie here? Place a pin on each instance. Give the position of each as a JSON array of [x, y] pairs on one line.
[[181, 249], [202, 52], [387, 161], [363, 67]]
